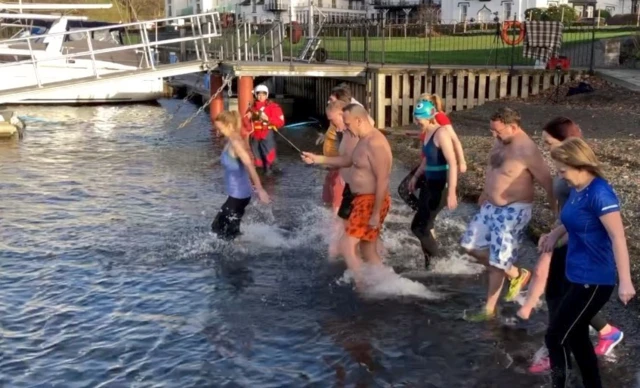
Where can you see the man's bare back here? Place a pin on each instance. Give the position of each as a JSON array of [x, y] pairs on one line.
[[347, 145], [509, 178], [369, 150]]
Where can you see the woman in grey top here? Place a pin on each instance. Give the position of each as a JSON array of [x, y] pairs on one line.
[[549, 277]]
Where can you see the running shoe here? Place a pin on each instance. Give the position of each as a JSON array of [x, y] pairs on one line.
[[481, 315], [517, 284], [540, 366], [515, 322], [607, 342]]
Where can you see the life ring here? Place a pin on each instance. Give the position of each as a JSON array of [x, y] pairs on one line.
[[504, 33]]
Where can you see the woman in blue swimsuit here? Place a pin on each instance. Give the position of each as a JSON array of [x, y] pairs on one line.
[[239, 171]]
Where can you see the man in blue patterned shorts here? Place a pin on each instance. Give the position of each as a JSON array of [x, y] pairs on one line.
[[495, 233]]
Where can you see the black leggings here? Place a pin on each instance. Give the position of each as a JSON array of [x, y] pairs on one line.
[[568, 333], [403, 190], [227, 222], [557, 285], [433, 197]]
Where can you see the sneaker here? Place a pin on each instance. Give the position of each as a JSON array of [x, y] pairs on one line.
[[607, 342], [540, 366], [517, 284], [516, 322], [479, 316]]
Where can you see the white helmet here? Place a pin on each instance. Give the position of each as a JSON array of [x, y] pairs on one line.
[[261, 88]]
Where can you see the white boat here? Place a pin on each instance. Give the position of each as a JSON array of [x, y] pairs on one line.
[[17, 75]]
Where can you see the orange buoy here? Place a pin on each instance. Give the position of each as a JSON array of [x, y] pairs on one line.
[[510, 40]]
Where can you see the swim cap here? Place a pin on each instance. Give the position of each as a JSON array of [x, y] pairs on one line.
[[424, 109]]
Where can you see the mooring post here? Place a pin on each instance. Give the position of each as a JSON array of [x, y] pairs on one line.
[[217, 104], [245, 92]]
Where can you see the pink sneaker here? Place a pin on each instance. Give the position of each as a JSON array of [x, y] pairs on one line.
[[540, 366], [607, 342]]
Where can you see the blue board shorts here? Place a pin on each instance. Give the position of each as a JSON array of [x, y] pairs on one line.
[[500, 229]]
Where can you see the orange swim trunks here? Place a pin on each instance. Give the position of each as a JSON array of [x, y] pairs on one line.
[[361, 209], [332, 189]]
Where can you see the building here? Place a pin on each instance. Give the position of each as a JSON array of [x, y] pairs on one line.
[[482, 11], [589, 8], [265, 11]]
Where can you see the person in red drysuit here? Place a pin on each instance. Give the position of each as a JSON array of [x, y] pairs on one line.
[[261, 119]]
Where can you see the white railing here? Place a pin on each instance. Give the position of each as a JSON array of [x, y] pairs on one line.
[[203, 27]]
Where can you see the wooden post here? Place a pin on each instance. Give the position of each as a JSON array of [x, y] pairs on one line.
[[245, 93], [217, 104]]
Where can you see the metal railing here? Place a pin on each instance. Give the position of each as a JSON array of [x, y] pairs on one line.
[[203, 27]]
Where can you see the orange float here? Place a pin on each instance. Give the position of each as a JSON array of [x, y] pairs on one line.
[[510, 40]]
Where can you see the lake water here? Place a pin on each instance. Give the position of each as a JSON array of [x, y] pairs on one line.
[[110, 277]]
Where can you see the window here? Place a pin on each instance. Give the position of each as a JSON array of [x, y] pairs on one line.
[[610, 9], [333, 4], [590, 11], [170, 10], [552, 3], [464, 10], [507, 10]]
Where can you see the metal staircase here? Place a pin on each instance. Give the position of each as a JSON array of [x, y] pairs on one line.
[[149, 55]]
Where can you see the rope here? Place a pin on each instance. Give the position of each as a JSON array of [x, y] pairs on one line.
[[225, 82]]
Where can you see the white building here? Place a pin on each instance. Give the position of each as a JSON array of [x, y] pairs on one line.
[[259, 11], [458, 11], [483, 11]]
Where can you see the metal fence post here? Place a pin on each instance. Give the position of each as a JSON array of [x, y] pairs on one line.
[[593, 48], [430, 32], [513, 47], [349, 44], [366, 42]]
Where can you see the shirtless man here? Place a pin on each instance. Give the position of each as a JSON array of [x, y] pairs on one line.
[[495, 233], [367, 199], [345, 147]]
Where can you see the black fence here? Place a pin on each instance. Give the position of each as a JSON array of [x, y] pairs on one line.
[[472, 45]]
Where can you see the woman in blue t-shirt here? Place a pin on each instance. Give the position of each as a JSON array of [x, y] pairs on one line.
[[239, 171], [597, 248]]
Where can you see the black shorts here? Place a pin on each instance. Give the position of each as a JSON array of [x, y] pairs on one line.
[[345, 206], [227, 222]]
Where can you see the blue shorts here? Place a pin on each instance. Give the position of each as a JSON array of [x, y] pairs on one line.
[[500, 229]]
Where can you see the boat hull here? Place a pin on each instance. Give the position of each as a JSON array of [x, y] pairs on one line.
[[129, 90]]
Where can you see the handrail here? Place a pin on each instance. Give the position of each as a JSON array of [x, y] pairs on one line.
[[110, 50], [144, 47], [120, 26]]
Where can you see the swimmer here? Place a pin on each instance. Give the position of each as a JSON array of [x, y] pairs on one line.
[[441, 118], [495, 233], [335, 182], [549, 277], [366, 196], [597, 257], [239, 171], [440, 170]]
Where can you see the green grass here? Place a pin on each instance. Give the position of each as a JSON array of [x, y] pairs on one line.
[[452, 50]]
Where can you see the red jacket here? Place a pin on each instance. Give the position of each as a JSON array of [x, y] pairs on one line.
[[261, 128]]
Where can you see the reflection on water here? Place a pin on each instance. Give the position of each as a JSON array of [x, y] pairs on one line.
[[111, 278]]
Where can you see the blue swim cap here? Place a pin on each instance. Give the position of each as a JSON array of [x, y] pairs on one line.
[[424, 109]]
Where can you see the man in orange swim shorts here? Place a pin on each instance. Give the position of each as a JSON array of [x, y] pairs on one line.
[[366, 199]]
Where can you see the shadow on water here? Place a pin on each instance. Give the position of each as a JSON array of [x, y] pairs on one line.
[[110, 276]]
